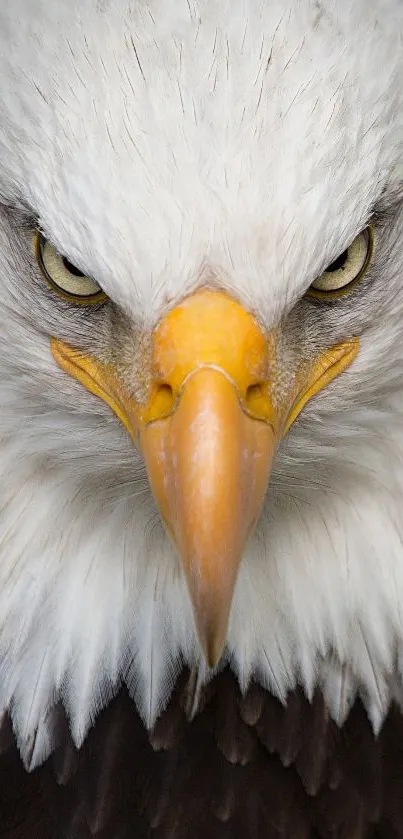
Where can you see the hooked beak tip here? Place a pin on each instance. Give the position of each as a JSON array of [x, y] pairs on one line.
[[211, 622], [213, 656], [213, 647]]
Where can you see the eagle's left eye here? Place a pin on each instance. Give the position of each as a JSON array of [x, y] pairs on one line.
[[64, 277], [342, 274]]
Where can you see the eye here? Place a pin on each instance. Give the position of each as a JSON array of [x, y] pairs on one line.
[[64, 277], [342, 274]]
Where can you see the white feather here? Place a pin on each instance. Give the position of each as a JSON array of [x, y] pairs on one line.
[[244, 141]]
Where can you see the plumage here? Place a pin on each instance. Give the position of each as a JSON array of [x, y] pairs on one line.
[[162, 149], [186, 784]]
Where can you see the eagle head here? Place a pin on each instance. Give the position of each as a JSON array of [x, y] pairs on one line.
[[201, 352]]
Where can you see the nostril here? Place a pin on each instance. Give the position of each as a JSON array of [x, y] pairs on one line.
[[164, 399], [254, 392], [256, 399], [165, 391]]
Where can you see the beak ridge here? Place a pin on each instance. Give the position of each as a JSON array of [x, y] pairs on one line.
[[208, 465]]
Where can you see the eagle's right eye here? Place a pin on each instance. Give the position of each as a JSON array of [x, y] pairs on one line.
[[64, 277]]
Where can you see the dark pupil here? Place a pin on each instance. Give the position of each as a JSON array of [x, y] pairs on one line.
[[338, 263], [72, 268]]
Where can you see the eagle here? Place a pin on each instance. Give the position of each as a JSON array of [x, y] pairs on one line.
[[201, 419]]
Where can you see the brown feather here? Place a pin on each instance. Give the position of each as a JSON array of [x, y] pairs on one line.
[[244, 767]]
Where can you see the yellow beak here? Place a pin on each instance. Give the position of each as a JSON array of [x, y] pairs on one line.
[[208, 466], [208, 431]]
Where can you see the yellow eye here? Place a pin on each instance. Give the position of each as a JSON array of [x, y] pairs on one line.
[[64, 277], [342, 274]]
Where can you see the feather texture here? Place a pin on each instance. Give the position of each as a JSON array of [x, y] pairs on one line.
[[241, 144], [245, 766]]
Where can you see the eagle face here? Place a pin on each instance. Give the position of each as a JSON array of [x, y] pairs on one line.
[[200, 257]]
